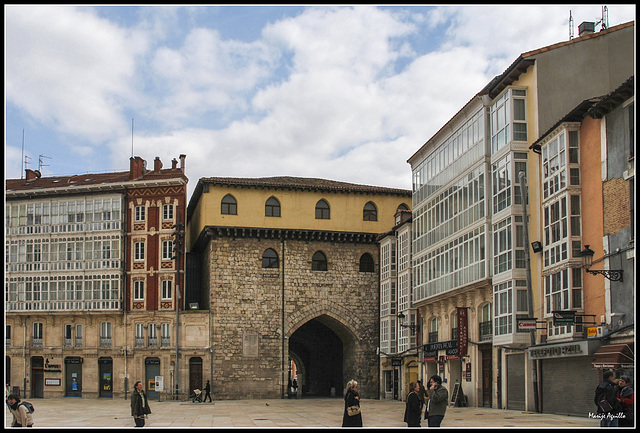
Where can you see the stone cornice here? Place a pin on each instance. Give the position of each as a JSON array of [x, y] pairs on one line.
[[215, 232]]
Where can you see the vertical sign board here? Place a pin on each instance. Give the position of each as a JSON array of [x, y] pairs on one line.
[[463, 331], [159, 383]]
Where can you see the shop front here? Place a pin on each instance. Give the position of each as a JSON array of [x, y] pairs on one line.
[[567, 379]]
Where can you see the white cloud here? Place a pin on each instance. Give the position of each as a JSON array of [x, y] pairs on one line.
[[335, 92], [68, 68]]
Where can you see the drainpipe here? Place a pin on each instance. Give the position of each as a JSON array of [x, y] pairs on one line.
[[125, 286], [534, 366], [282, 393]]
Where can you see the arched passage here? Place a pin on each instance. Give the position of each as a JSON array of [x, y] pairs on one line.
[[324, 348]]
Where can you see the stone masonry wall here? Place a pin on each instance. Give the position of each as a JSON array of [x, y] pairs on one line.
[[246, 304]]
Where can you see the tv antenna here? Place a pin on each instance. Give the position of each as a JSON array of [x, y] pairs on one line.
[[26, 163], [605, 18], [570, 26], [40, 162]]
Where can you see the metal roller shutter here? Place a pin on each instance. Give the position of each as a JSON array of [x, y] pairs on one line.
[[515, 381], [568, 386]]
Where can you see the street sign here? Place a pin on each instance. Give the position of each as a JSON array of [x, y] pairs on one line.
[[564, 318], [527, 324]]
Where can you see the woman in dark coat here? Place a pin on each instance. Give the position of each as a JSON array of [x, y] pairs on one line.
[[139, 404], [351, 398], [413, 411]]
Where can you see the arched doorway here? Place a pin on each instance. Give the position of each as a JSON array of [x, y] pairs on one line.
[[322, 349]]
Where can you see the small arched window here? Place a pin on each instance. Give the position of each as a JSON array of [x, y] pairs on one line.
[[270, 259], [366, 263], [403, 206], [370, 212], [433, 330], [272, 207], [322, 210], [229, 205], [319, 262]]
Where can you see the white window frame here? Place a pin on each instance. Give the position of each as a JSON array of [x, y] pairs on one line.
[[138, 290], [167, 212], [140, 213], [138, 251], [167, 289]]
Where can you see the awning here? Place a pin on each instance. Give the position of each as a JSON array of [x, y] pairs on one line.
[[613, 356]]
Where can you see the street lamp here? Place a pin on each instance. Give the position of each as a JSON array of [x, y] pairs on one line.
[[412, 327], [587, 260]]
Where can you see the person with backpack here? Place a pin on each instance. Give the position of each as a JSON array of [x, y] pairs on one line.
[[139, 404], [607, 401], [21, 411]]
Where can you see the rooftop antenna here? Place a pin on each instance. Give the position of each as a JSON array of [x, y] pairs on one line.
[[22, 157], [26, 163], [40, 162], [570, 26], [605, 18]]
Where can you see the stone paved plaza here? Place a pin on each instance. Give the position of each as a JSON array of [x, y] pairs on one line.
[[275, 413]]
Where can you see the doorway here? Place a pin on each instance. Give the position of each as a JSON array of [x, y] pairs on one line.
[[195, 375], [105, 366], [319, 353], [73, 376], [37, 377]]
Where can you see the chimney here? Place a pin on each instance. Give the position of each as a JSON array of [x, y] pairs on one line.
[[182, 158], [136, 167], [174, 164], [586, 28], [32, 174], [157, 164]]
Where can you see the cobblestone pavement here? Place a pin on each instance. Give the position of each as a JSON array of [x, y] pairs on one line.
[[312, 412]]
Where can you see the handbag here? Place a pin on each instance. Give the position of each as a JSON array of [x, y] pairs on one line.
[[605, 406], [353, 410]]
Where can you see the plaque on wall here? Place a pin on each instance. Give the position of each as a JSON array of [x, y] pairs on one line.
[[250, 345]]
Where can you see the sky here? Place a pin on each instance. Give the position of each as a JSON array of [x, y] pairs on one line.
[[340, 92]]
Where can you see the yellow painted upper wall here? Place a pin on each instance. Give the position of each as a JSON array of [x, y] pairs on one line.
[[297, 210]]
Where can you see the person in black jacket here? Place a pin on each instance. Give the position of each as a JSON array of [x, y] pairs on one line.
[[207, 392], [351, 399], [607, 401], [413, 410], [139, 404]]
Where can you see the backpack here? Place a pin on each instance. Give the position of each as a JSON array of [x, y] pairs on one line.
[[28, 405]]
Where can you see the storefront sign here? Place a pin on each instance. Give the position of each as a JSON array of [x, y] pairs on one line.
[[463, 333], [527, 324], [580, 348], [564, 318], [52, 382], [396, 362]]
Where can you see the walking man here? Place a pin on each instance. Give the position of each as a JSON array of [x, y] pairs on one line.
[[207, 392]]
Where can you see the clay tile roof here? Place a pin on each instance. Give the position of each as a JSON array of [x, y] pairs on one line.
[[89, 179], [303, 183]]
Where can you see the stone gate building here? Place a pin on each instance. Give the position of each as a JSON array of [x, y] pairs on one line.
[[288, 268]]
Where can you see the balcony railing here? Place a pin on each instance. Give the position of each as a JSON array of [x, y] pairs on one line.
[[166, 341], [433, 337], [486, 331], [105, 342], [139, 341]]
